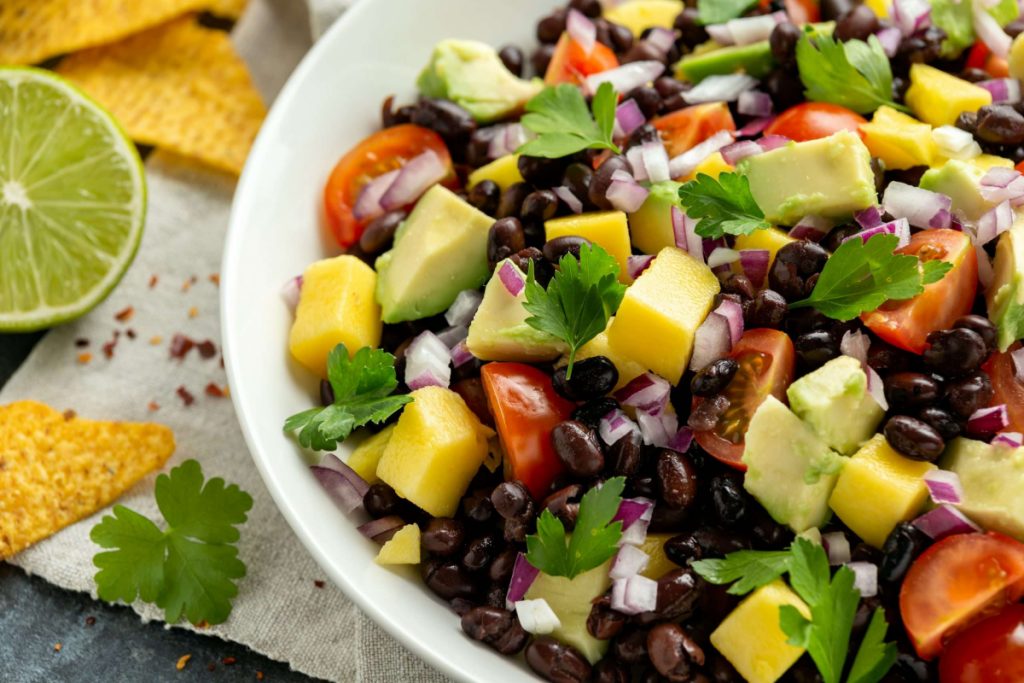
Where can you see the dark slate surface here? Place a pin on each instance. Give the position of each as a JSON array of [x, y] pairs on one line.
[[35, 616]]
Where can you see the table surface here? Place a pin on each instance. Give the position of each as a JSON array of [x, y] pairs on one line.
[[50, 634]]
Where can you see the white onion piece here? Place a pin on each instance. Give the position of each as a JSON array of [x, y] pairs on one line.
[[415, 178], [684, 231], [875, 387], [722, 256], [837, 546], [990, 32], [291, 291], [956, 143], [625, 194], [635, 157], [638, 264], [634, 595], [614, 426], [451, 336], [581, 29], [754, 103], [570, 200], [747, 30], [917, 205], [994, 223], [648, 392], [890, 39], [629, 561], [911, 16], [943, 521], [711, 341], [721, 34], [626, 77], [684, 164], [536, 616], [657, 429], [855, 344], [1002, 184], [1008, 439], [368, 205], [655, 160], [661, 38], [944, 487], [865, 578], [427, 362], [988, 420], [464, 307], [511, 278], [719, 88], [507, 139], [629, 116], [523, 576]]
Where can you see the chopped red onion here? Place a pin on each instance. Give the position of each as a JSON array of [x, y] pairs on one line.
[[647, 392], [512, 278], [1002, 89], [626, 77], [811, 228], [722, 256], [865, 578], [291, 292], [899, 227], [1017, 359], [461, 354], [738, 151], [837, 546], [994, 223], [855, 344], [711, 341], [657, 428], [1008, 439], [956, 143], [662, 39], [990, 32], [890, 39], [634, 510], [338, 488], [755, 127], [755, 264], [747, 30], [427, 362], [416, 177], [944, 487], [911, 16], [368, 204], [570, 200], [684, 164], [453, 335], [634, 595], [1003, 184], [630, 561], [917, 205], [719, 88], [655, 160], [381, 530], [720, 33], [507, 139], [709, 245], [581, 29], [681, 441], [870, 217], [684, 230], [614, 426], [754, 103], [625, 194], [990, 420], [629, 116], [733, 313], [943, 521], [536, 616], [333, 462], [638, 264], [464, 307], [523, 576], [635, 157], [986, 273], [770, 142], [875, 387]]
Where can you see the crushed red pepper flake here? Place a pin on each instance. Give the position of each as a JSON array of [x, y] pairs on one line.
[[215, 278], [81, 342], [57, 647], [229, 661], [180, 346], [131, 333], [318, 583], [193, 312], [108, 348], [186, 397], [212, 666], [90, 620], [182, 662], [70, 414], [153, 279], [207, 349], [125, 314], [259, 675], [215, 391], [85, 358], [153, 406], [156, 340]]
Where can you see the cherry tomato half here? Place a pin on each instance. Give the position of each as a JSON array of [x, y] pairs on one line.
[[526, 409], [800, 11], [690, 126], [991, 651], [980, 57], [813, 120], [383, 151], [571, 64], [907, 324], [958, 581], [766, 359], [1008, 389]]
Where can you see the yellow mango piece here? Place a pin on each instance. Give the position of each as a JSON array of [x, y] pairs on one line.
[[504, 171], [989, 161], [661, 311], [337, 305], [403, 548], [899, 140], [713, 166], [608, 229], [638, 15], [751, 638], [937, 97], [366, 456], [599, 346], [659, 564], [771, 239], [435, 450], [879, 7], [879, 488], [1016, 60]]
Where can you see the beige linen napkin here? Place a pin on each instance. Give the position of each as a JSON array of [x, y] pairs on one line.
[[280, 610]]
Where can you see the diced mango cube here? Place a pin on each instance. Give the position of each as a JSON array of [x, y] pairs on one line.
[[899, 140], [751, 638], [771, 239], [638, 15], [435, 450], [661, 312], [659, 564], [598, 346], [403, 548], [985, 162], [1016, 59], [879, 488], [714, 166], [607, 229], [336, 306], [504, 171], [366, 456], [938, 98], [879, 7]]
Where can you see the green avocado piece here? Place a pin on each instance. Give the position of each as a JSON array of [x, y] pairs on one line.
[[829, 177], [499, 330], [472, 75], [570, 600], [650, 227], [961, 182], [755, 59], [955, 18], [1005, 296], [439, 250], [834, 401], [790, 469], [993, 478]]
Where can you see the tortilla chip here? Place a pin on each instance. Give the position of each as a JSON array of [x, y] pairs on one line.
[[34, 30], [56, 468], [179, 86], [229, 9]]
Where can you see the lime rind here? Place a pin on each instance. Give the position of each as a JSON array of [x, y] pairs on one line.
[[72, 201]]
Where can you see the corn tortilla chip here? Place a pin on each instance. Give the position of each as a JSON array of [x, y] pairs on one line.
[[230, 9], [178, 86], [34, 30], [56, 468]]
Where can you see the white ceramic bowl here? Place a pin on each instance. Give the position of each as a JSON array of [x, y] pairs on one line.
[[331, 102]]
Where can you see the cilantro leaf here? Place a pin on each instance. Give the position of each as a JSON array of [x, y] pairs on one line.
[[854, 74], [861, 276], [190, 568], [594, 540], [559, 117], [875, 656], [362, 386], [750, 569], [719, 11], [724, 206], [579, 299]]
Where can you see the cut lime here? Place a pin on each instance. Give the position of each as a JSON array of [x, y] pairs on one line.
[[72, 201]]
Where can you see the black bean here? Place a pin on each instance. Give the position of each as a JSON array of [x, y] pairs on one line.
[[540, 171], [922, 47], [783, 42], [326, 393], [512, 200], [678, 593], [785, 88], [479, 553], [471, 389], [904, 543], [558, 247], [954, 353], [610, 671], [380, 232], [857, 24], [538, 207], [445, 118], [515, 530], [1000, 124], [543, 270], [673, 653], [512, 500], [551, 27], [941, 421], [603, 35], [910, 669], [564, 503], [461, 606], [577, 178], [591, 412], [816, 348], [496, 627], [968, 121], [966, 395], [715, 541], [643, 51], [705, 414], [477, 506], [621, 38], [682, 549], [603, 622], [714, 377], [624, 455], [501, 568], [767, 309], [913, 438], [728, 500], [512, 57], [983, 326], [793, 265], [767, 533], [603, 178], [910, 389], [832, 10], [540, 58], [973, 75], [449, 581], [505, 237], [578, 448], [677, 479], [630, 646], [690, 27], [485, 195], [734, 283], [591, 378], [885, 358], [589, 8], [556, 662], [381, 500], [443, 536], [647, 98], [390, 117]]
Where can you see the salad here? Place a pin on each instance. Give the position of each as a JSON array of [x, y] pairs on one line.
[[687, 348]]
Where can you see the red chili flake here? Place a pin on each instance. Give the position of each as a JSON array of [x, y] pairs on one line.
[[156, 340], [186, 397], [214, 390], [153, 406], [212, 666], [180, 346], [89, 621], [131, 333], [153, 279], [207, 349], [81, 342], [259, 675], [318, 583], [215, 278], [70, 414], [84, 358], [182, 662], [193, 312], [108, 348], [125, 314], [229, 661], [57, 647]]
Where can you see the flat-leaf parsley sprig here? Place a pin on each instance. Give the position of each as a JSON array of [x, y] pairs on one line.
[[559, 117], [723, 206]]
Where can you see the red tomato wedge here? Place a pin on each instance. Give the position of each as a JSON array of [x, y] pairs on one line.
[[526, 409], [907, 324], [980, 57], [383, 151], [957, 582], [991, 651], [813, 120], [766, 359], [690, 126], [571, 64], [1008, 389], [800, 11]]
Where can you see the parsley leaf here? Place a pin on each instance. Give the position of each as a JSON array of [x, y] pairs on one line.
[[875, 656], [559, 117], [861, 276], [719, 11], [723, 206], [362, 388], [853, 74], [190, 569], [594, 540], [750, 569], [579, 300]]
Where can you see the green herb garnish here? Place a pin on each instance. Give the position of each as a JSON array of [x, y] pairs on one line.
[[750, 569], [724, 206], [853, 74], [719, 11], [362, 386], [559, 117], [188, 569]]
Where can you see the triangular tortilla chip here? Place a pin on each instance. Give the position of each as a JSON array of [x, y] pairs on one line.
[[229, 9]]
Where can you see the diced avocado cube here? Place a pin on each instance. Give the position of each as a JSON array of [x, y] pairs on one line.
[[336, 306], [607, 229], [754, 59], [834, 401], [879, 488], [938, 98], [570, 600], [830, 177], [650, 226], [769, 239], [639, 15], [503, 171], [403, 548], [437, 447], [499, 330], [961, 182], [661, 312], [790, 470], [899, 140], [440, 250], [598, 346], [993, 479], [1005, 296], [472, 75], [366, 456], [751, 638]]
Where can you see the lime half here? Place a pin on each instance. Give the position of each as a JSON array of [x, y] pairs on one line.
[[72, 201]]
